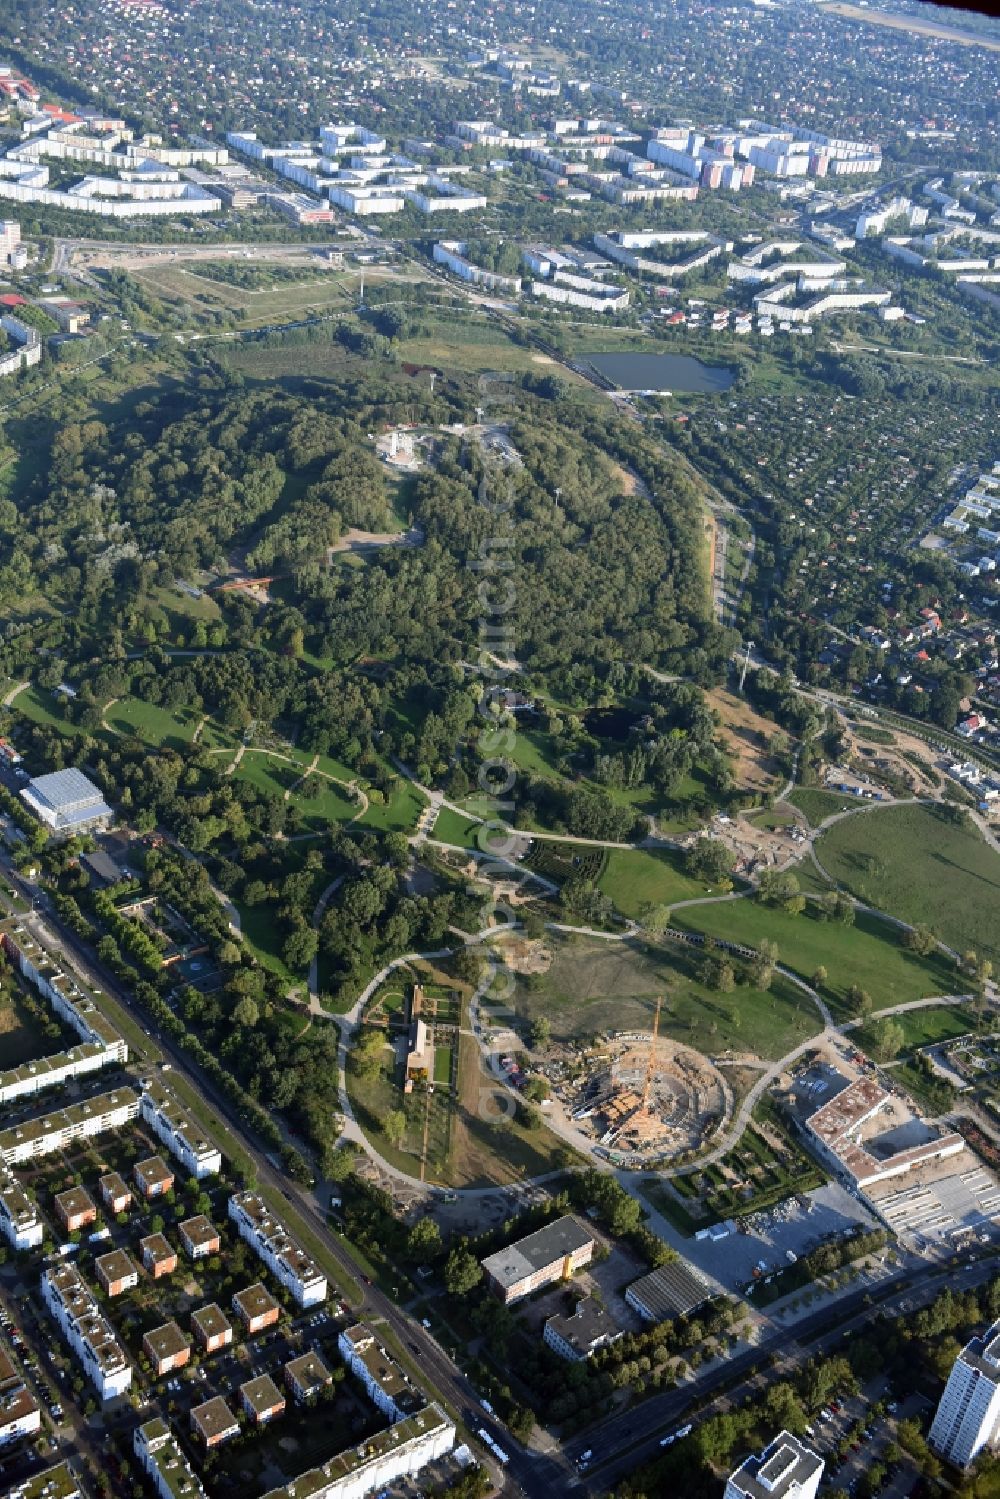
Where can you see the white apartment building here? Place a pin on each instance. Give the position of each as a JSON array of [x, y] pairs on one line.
[[19, 1220], [968, 1413], [91, 1338], [380, 1460], [593, 295], [385, 1382], [786, 1469], [295, 1269], [95, 1116], [624, 248], [164, 1463], [451, 254], [20, 1415], [178, 1131]]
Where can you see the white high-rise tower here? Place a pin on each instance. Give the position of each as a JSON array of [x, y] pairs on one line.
[[969, 1410]]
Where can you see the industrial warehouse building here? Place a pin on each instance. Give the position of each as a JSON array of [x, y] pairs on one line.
[[67, 803]]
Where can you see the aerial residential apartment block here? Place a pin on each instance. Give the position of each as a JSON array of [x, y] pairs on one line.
[[117, 1272], [262, 1400], [213, 1422], [93, 1341], [200, 1237], [164, 1463], [159, 1256], [550, 1254], [75, 1208], [154, 1177], [166, 1348], [256, 1308], [295, 1269], [786, 1469], [19, 1412], [387, 1386], [19, 1220], [968, 1414], [212, 1327], [115, 1193], [179, 1132], [380, 1460], [306, 1377], [79, 1121]]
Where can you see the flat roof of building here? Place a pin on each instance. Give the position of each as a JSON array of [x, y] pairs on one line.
[[383, 1369], [537, 1251], [213, 1418], [308, 1371], [73, 1201], [67, 1119], [184, 1127], [255, 1301], [171, 1464], [671, 1291], [199, 1230], [165, 1342], [116, 1265], [586, 1325], [114, 1185], [211, 1320], [157, 1247], [152, 1170], [58, 1482], [345, 1464], [261, 1394], [16, 1400], [784, 1465]]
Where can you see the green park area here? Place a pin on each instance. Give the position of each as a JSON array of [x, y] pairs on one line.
[[924, 864], [869, 953], [816, 805], [595, 988], [160, 728], [455, 828], [638, 878], [926, 1026]]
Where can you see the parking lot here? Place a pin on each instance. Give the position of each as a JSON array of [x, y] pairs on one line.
[[798, 1225]]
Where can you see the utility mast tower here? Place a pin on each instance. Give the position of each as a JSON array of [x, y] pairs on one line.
[[651, 1059], [746, 663]]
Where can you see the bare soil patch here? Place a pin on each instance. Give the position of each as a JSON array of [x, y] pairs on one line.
[[745, 735]]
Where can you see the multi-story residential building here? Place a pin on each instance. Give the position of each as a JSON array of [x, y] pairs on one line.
[[968, 1414], [588, 1327], [19, 1220], [262, 1400], [213, 1422], [550, 1254], [159, 1256], [166, 1348], [100, 1043], [451, 254], [385, 1382], [93, 1341], [786, 1469], [58, 1482], [75, 1208], [164, 1463], [154, 1177], [212, 1327], [94, 1116], [256, 1308], [117, 1272], [295, 1269], [115, 1193], [179, 1132], [20, 1415], [379, 1461], [200, 1237], [306, 1377]]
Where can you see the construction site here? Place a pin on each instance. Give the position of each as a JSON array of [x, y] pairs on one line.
[[646, 1098]]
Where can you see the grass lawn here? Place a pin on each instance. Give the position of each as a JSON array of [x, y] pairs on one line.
[[815, 805], [42, 706], [635, 878], [868, 953], [158, 727], [442, 1065], [456, 829], [595, 987], [331, 805], [399, 814], [916, 863], [925, 1027], [267, 774]]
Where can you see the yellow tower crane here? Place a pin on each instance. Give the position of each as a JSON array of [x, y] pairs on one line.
[[651, 1059]]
